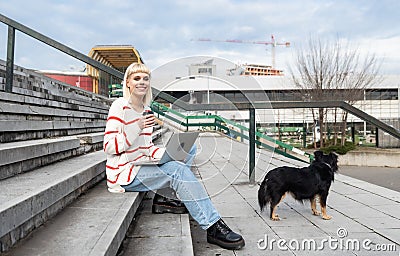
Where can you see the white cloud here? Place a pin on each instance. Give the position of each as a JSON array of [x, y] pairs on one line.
[[162, 30]]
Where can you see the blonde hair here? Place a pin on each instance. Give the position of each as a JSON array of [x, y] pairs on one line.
[[132, 69]]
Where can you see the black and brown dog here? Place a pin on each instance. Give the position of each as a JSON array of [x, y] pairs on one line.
[[306, 183]]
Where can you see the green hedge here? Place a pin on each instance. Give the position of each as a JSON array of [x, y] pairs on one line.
[[329, 147], [341, 150]]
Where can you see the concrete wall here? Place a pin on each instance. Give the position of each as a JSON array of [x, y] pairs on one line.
[[372, 157]]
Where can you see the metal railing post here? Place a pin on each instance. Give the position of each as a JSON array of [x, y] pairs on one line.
[[10, 59], [252, 145]]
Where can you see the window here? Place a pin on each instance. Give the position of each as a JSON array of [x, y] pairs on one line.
[[205, 71], [382, 94]]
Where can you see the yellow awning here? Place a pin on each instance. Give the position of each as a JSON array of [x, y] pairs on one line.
[[117, 56]]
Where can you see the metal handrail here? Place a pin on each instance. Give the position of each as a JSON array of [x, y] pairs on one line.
[[219, 121], [12, 24]]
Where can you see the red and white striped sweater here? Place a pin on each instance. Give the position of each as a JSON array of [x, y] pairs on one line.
[[124, 143]]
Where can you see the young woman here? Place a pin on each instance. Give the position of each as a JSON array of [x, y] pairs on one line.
[[128, 138]]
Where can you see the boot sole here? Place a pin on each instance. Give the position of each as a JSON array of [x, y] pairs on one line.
[[226, 245], [159, 209]]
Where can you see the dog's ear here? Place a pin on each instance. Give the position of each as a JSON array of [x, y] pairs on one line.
[[333, 156], [318, 155], [334, 163]]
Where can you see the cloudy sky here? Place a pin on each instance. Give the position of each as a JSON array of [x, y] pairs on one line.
[[163, 31]]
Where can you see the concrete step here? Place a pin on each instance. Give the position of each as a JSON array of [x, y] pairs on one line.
[[33, 86], [92, 141], [23, 156], [95, 224], [18, 108], [40, 107], [29, 199], [92, 138], [157, 234], [159, 132], [43, 125]]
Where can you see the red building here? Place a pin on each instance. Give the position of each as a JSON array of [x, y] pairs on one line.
[[79, 79], [118, 57]]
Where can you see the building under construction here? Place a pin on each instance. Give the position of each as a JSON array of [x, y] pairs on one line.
[[260, 70]]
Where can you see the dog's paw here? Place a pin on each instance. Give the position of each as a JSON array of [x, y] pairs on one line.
[[275, 218], [316, 213], [326, 217]]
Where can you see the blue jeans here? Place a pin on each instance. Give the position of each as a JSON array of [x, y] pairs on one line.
[[178, 176]]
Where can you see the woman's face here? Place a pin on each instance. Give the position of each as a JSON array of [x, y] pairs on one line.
[[138, 84]]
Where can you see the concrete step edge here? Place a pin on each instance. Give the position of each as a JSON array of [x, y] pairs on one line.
[[187, 249], [71, 232], [13, 152], [91, 138], [30, 194], [158, 233]]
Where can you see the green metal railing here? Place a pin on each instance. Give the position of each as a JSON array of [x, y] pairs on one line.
[[218, 122]]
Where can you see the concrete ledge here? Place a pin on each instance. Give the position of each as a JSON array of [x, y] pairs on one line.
[[92, 142], [19, 157], [372, 157], [158, 234], [98, 137], [7, 137], [34, 125], [31, 83], [40, 110], [187, 245], [41, 107], [91, 138], [95, 224], [32, 198], [19, 151], [114, 233], [23, 156], [38, 101], [157, 134]]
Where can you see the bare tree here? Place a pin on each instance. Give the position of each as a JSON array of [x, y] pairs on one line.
[[326, 71]]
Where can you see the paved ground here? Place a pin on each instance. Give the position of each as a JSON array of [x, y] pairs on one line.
[[366, 217], [382, 176]]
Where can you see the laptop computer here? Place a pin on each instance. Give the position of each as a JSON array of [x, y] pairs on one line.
[[176, 149]]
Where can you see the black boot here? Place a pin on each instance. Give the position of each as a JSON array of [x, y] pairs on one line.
[[162, 204], [220, 234]]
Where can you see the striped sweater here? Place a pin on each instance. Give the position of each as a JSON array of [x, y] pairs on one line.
[[124, 143]]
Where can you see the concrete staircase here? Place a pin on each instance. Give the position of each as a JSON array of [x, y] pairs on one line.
[[53, 196]]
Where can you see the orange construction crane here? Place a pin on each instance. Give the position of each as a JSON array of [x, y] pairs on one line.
[[273, 44]]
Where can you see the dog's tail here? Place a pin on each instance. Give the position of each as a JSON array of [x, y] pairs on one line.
[[263, 195]]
